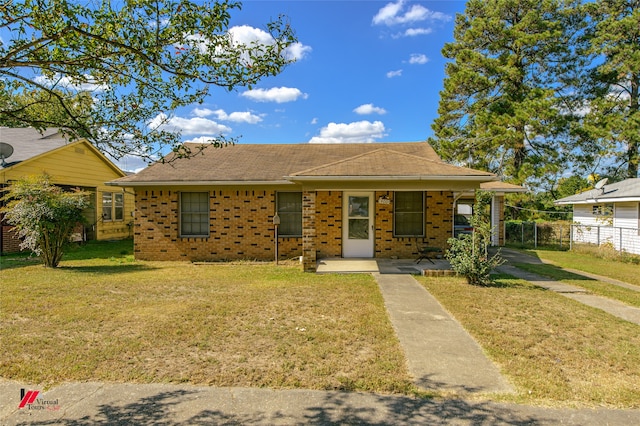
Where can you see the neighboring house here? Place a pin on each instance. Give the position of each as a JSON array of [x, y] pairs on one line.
[[366, 200], [609, 215], [75, 164]]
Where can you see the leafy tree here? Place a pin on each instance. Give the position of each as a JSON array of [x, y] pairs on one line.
[[108, 71], [612, 88], [469, 254], [44, 216], [507, 98]]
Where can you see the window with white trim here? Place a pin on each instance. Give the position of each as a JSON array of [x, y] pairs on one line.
[[112, 206], [408, 214], [194, 214], [289, 208]]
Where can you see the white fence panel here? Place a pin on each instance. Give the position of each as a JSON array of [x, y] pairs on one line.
[[622, 239]]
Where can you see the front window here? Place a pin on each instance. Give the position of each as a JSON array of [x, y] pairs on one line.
[[194, 214], [289, 208], [118, 206], [408, 214], [112, 206], [107, 206]]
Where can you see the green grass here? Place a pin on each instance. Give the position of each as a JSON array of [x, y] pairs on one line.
[[113, 319], [555, 350], [600, 288], [592, 261]]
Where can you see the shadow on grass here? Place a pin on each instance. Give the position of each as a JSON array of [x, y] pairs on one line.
[[244, 407], [551, 271], [107, 269]]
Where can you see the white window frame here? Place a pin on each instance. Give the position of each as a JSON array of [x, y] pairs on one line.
[[116, 201]]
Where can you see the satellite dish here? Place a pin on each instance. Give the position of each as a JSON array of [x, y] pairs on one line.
[[6, 151], [601, 183]]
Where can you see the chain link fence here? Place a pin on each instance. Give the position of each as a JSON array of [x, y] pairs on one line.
[[534, 234], [563, 235]]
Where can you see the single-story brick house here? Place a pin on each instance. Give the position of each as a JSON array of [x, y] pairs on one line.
[[367, 200]]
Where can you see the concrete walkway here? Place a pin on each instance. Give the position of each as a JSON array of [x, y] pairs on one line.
[[440, 354], [611, 306]]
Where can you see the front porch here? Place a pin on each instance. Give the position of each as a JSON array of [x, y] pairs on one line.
[[382, 266]]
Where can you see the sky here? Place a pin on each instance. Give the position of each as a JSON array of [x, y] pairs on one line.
[[365, 71]]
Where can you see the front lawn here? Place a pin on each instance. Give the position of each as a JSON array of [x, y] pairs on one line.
[[596, 261], [555, 350], [111, 318], [600, 288]]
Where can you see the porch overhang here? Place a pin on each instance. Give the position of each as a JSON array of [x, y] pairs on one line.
[[390, 183]]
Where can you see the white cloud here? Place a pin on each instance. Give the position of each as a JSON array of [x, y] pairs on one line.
[[84, 84], [314, 120], [400, 13], [359, 131], [244, 34], [412, 32], [248, 36], [396, 73], [276, 94], [188, 126], [130, 163], [220, 114], [204, 140], [418, 58], [366, 109], [297, 51], [203, 112]]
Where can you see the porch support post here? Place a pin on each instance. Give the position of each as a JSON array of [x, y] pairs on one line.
[[309, 231]]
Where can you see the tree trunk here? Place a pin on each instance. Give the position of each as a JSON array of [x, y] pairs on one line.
[[633, 146]]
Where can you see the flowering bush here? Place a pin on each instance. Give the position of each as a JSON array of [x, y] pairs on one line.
[[44, 216], [469, 254]]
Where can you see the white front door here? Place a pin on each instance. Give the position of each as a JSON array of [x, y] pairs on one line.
[[358, 233]]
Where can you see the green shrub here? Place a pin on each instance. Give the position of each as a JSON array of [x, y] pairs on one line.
[[469, 254]]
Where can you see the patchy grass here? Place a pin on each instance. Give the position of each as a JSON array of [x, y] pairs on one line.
[[555, 350], [121, 250], [114, 319], [591, 261], [599, 288]]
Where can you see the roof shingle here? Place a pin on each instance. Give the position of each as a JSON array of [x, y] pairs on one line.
[[275, 163]]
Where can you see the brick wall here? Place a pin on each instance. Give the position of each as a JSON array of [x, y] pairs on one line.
[[438, 225], [10, 242], [329, 224], [241, 227]]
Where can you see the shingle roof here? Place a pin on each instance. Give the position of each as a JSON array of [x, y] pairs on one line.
[[388, 162], [28, 142], [627, 190], [276, 163]]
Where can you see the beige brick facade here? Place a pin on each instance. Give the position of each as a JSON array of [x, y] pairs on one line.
[[241, 227]]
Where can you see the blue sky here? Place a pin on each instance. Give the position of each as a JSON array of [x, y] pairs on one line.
[[366, 71]]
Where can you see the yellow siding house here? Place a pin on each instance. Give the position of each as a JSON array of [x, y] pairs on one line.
[[76, 164]]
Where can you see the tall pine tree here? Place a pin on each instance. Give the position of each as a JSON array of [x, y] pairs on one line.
[[507, 94], [611, 127]]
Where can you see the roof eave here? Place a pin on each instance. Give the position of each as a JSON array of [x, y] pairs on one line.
[[598, 201], [485, 178], [197, 183]]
